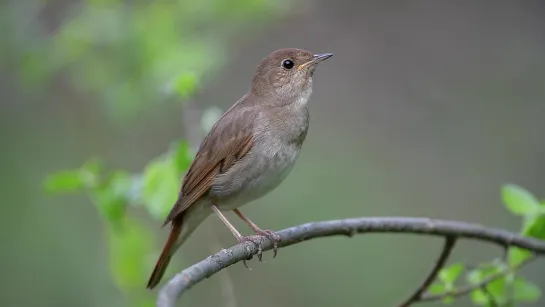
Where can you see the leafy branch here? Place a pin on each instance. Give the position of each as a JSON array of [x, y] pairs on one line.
[[478, 283], [490, 283], [114, 193]]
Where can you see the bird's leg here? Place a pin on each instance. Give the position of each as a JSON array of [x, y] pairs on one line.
[[236, 233], [267, 233], [225, 221]]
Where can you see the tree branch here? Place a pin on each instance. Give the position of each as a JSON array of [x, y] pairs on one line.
[[417, 295], [348, 227]]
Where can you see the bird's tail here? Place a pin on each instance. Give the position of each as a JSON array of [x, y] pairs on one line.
[[170, 247]]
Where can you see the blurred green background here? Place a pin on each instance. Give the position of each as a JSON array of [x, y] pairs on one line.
[[426, 109]]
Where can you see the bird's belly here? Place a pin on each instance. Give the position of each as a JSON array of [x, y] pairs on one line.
[[254, 177]]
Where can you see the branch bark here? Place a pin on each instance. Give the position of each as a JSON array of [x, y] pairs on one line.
[[184, 280]]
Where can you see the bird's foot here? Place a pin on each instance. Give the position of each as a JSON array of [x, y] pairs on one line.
[[271, 235], [257, 240]]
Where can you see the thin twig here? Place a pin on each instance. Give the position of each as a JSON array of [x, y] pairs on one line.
[[184, 280], [226, 282], [491, 299], [439, 264], [462, 291]]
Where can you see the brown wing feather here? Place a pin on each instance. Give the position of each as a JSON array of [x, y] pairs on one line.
[[227, 142]]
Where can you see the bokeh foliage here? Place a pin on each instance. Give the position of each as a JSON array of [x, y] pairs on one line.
[[131, 56]]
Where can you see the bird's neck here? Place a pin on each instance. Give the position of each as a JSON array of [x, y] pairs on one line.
[[293, 98]]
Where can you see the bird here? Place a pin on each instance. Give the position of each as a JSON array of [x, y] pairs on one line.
[[247, 153]]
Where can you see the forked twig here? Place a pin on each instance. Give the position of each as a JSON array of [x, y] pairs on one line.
[[439, 264]]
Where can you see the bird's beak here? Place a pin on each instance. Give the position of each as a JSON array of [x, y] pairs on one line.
[[319, 57]]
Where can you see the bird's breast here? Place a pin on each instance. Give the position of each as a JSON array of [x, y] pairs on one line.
[[276, 148]]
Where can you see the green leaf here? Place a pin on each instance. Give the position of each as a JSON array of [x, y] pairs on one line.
[[110, 205], [519, 201], [437, 288], [534, 226], [498, 290], [161, 184], [478, 297], [495, 289], [130, 245], [450, 274], [186, 84], [448, 277], [517, 256], [525, 291], [113, 196], [478, 275], [181, 157], [64, 181], [87, 176]]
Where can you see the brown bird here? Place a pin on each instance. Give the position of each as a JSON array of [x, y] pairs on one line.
[[248, 152]]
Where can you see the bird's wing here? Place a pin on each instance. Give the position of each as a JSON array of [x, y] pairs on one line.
[[227, 142]]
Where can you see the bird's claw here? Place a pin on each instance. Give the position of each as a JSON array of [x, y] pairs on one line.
[[245, 264], [257, 240], [271, 235]]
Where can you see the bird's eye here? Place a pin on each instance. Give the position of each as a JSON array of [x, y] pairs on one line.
[[287, 64]]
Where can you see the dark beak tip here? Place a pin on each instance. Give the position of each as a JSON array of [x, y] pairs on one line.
[[323, 55]]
